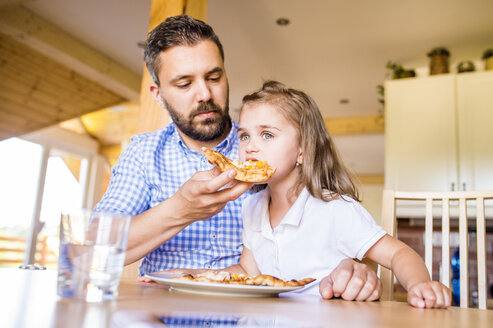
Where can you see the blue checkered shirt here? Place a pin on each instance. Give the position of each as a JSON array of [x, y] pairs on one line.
[[150, 170]]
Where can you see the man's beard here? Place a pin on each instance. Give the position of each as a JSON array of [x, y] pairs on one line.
[[206, 130]]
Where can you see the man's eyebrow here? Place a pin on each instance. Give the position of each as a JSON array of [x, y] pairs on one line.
[[179, 77], [216, 70], [182, 77]]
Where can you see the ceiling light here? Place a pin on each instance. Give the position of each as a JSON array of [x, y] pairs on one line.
[[344, 101], [283, 21]]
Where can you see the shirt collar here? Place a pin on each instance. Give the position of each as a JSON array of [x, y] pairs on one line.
[[295, 213], [227, 144], [224, 146], [293, 216]]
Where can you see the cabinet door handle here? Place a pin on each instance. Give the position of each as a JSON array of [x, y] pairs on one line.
[[452, 186], [464, 186]]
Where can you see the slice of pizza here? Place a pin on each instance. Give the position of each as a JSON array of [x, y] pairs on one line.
[[250, 171], [223, 277], [267, 280]]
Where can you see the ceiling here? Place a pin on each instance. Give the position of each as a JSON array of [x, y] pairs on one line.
[[333, 50], [36, 91]]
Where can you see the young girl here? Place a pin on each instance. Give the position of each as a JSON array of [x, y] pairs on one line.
[[307, 218]]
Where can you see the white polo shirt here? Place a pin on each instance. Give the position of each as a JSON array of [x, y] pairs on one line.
[[312, 238]]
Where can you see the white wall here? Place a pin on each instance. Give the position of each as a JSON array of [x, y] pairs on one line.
[[371, 196]]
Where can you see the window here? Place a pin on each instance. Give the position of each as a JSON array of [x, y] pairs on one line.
[[19, 170], [42, 174]]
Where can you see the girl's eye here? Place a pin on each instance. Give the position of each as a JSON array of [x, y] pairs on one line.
[[267, 135], [244, 137]]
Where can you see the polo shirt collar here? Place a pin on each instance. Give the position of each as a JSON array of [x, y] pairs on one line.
[[295, 213]]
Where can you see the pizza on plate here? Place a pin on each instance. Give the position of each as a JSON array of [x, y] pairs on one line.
[[223, 277], [250, 171]]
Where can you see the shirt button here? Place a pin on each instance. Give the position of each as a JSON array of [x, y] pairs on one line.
[[207, 266], [213, 236]]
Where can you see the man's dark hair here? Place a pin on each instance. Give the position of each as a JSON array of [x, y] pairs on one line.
[[179, 30]]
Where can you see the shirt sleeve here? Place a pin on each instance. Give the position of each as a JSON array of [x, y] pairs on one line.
[[128, 191], [357, 230]]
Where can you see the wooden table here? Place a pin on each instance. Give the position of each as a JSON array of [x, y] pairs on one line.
[[28, 299]]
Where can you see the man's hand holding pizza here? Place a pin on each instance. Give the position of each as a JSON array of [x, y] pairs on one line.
[[202, 196], [206, 193]]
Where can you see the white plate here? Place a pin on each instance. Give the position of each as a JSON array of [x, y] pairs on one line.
[[218, 289]]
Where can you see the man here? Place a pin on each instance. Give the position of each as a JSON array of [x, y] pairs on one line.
[[187, 215]]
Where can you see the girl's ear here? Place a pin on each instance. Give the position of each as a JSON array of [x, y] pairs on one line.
[[299, 159]]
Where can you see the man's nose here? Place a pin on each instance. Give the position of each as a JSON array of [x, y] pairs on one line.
[[203, 92]]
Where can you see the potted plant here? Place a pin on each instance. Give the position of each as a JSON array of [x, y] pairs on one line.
[[488, 58], [439, 61], [398, 72]]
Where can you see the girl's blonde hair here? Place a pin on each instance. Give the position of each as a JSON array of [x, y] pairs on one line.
[[322, 171]]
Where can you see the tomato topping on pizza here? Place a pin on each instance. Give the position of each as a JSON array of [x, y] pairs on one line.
[[250, 171]]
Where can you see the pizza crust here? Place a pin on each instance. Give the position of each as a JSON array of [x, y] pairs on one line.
[[223, 277], [248, 171]]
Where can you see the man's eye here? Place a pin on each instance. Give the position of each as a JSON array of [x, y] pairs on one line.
[[183, 85], [215, 78]]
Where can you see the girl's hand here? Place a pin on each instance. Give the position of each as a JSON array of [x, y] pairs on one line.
[[430, 294], [144, 279]]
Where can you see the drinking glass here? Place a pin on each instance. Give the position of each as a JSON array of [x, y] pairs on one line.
[[92, 254]]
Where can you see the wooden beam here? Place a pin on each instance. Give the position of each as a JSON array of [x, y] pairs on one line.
[[196, 9], [39, 34], [12, 2], [64, 140], [371, 179], [151, 116], [36, 91], [114, 125], [111, 153], [355, 125]]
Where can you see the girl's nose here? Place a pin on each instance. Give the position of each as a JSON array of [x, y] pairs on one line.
[[251, 146]]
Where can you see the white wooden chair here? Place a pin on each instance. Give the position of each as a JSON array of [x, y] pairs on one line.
[[444, 199]]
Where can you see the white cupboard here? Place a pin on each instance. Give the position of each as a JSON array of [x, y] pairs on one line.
[[439, 132], [475, 126]]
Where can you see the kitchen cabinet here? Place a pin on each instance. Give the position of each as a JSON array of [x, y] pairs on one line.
[[439, 132]]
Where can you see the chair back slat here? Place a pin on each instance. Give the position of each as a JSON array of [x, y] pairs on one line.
[[388, 211], [463, 257], [446, 242], [429, 236], [389, 223], [481, 251]]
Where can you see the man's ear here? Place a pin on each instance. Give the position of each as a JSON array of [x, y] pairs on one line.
[[156, 94]]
